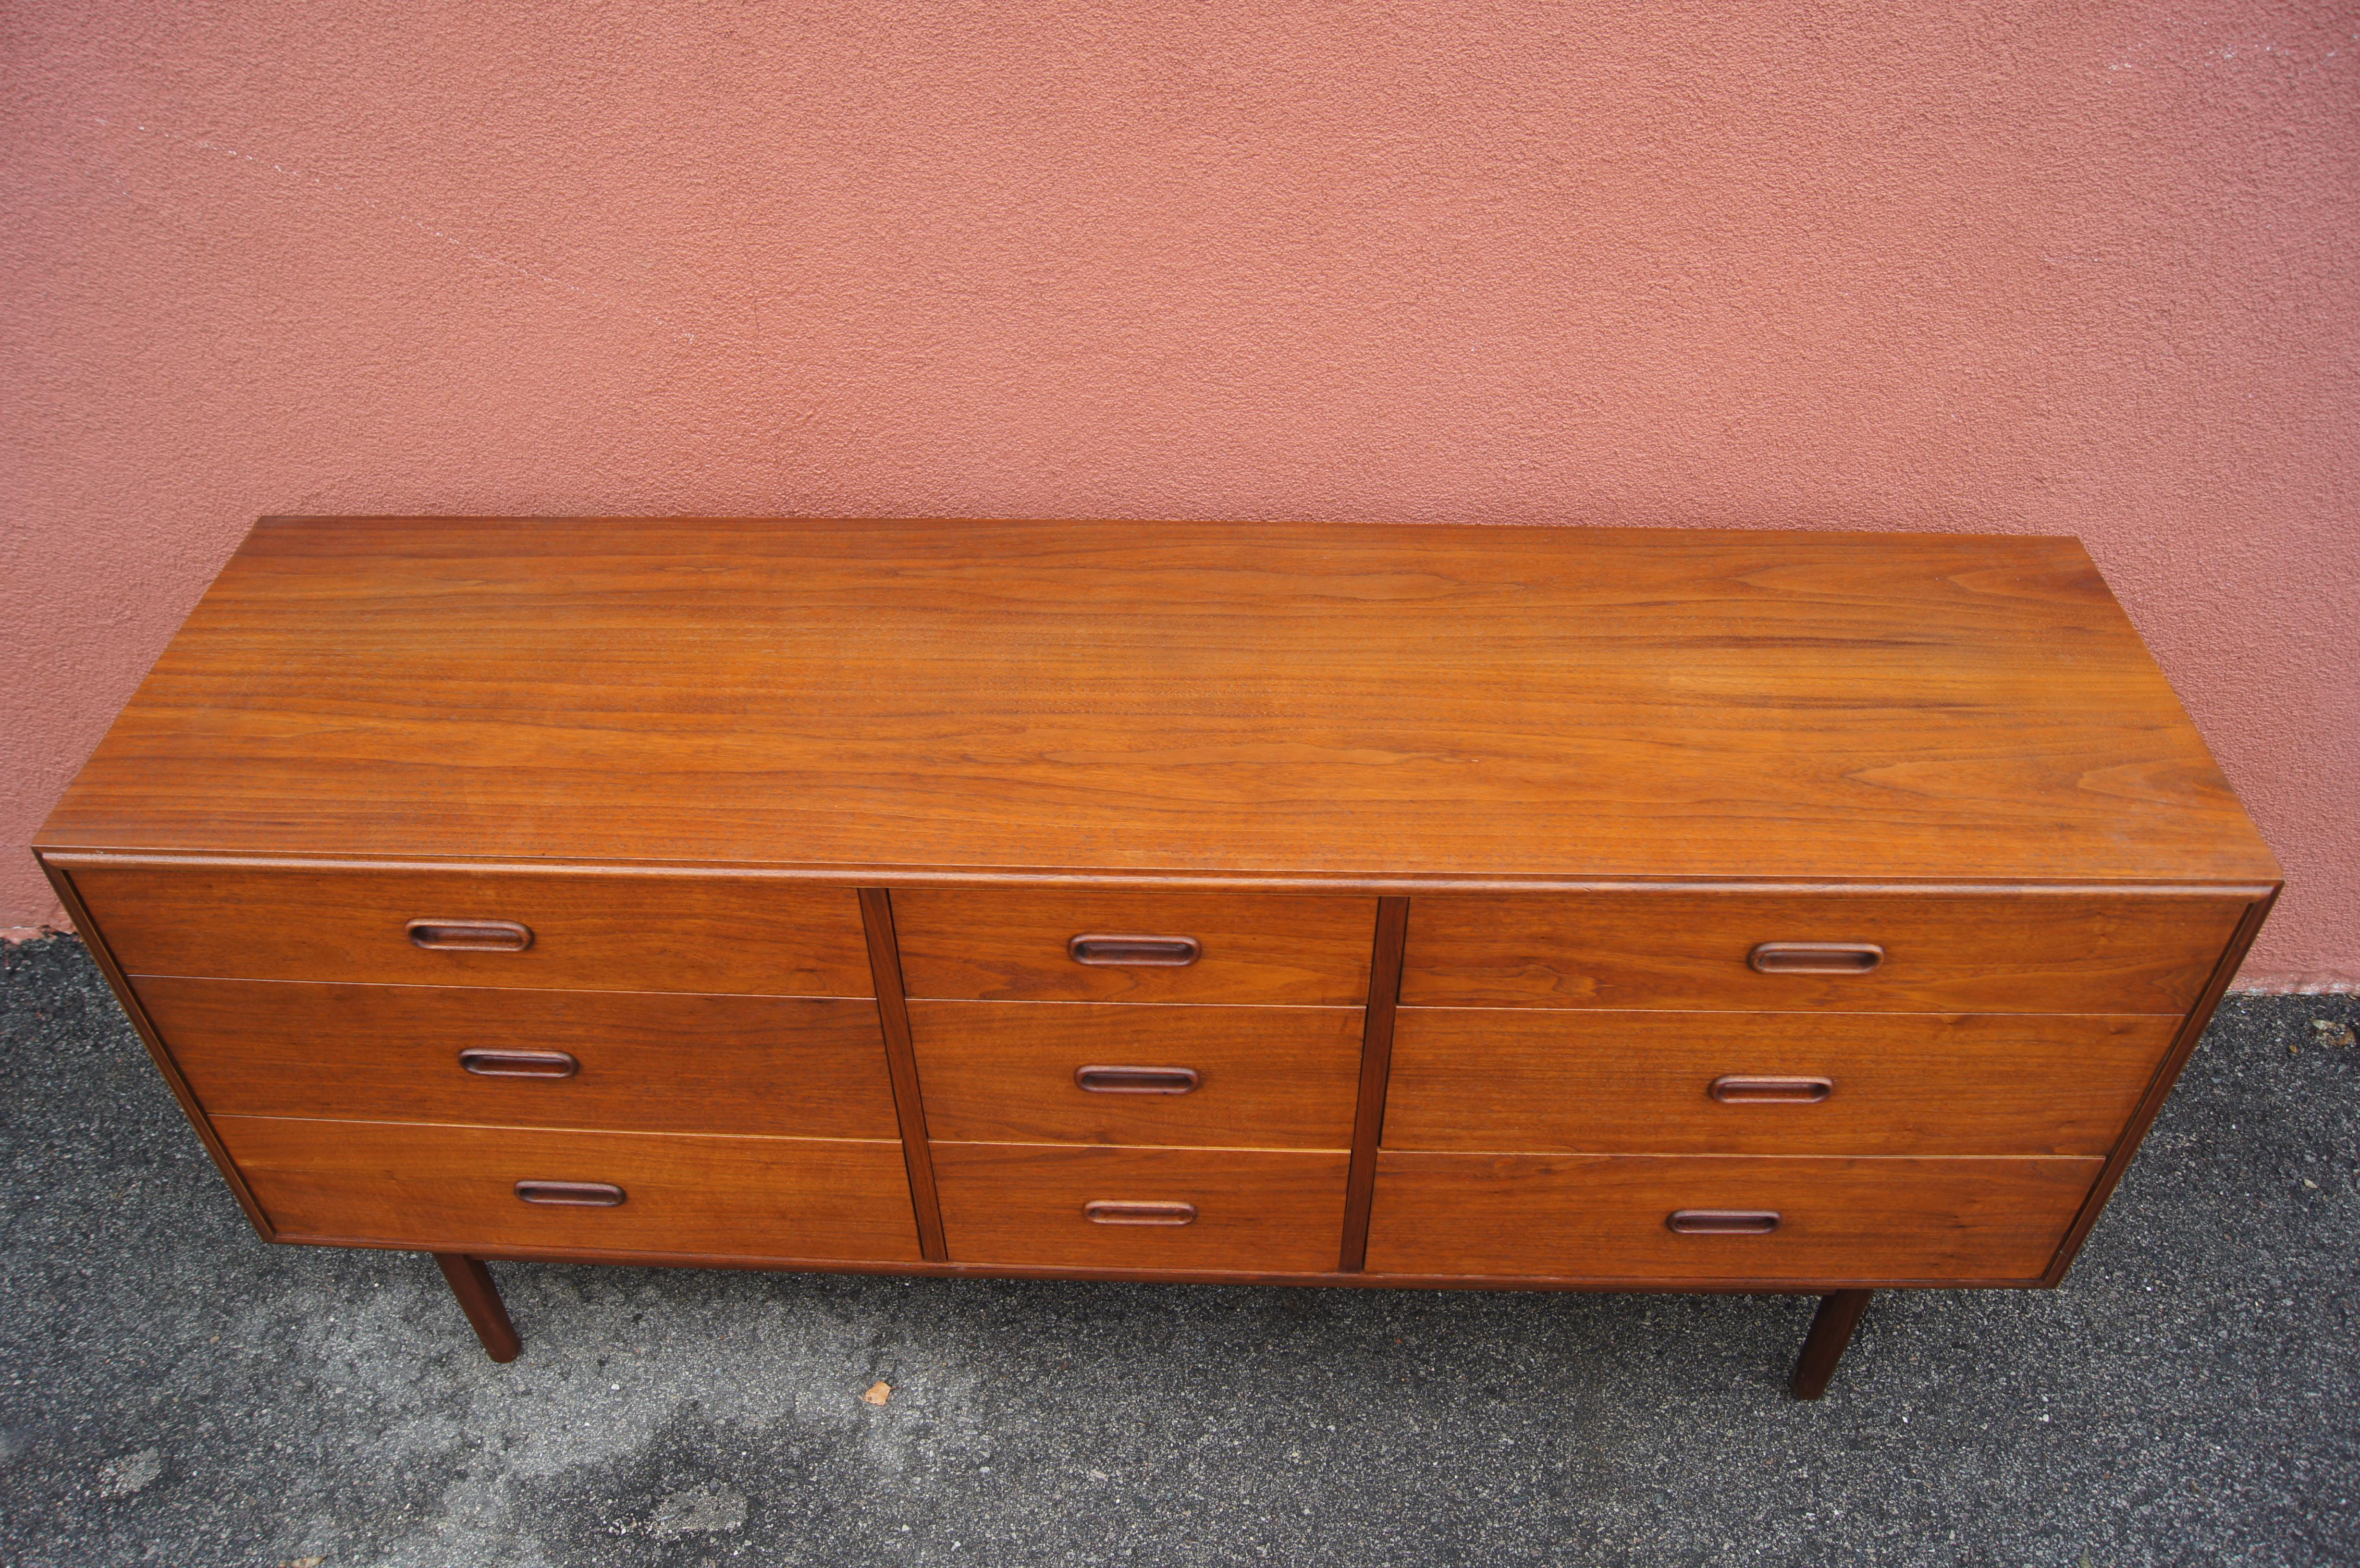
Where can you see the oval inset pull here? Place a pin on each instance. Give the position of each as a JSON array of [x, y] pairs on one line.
[[487, 1064], [1816, 957], [1137, 1080], [1105, 1212], [1723, 1221], [1735, 1090], [470, 936], [1145, 951], [571, 1194]]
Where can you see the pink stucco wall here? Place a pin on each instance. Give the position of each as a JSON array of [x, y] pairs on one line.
[[2076, 269]]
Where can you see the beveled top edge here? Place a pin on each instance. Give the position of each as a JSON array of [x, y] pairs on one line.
[[70, 857]]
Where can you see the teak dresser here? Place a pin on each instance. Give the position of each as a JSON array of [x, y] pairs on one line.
[[1504, 907]]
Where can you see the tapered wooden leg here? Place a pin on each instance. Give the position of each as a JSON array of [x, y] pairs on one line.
[[1831, 1328], [480, 1300]]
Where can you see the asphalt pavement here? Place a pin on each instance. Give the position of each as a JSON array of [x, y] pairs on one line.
[[174, 1391]]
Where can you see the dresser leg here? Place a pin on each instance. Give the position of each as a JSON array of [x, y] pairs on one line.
[[480, 1300], [1831, 1328]]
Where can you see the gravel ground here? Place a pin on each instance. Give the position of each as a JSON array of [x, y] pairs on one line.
[[175, 1391]]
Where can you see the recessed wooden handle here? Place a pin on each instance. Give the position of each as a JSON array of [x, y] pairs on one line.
[[1142, 952], [1735, 1090], [487, 1064], [571, 1194], [470, 936], [1723, 1221], [1137, 1080], [1816, 957], [1105, 1211]]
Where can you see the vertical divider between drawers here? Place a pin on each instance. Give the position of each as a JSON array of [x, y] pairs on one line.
[[901, 1065], [1376, 1064]]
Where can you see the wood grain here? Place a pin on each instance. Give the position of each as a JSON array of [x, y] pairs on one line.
[[1512, 1079], [1011, 946], [451, 1189], [2025, 952], [1271, 1077], [707, 933], [760, 1066], [1603, 1216], [1243, 698], [1022, 1203]]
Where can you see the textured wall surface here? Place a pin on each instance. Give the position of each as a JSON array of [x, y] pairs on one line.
[[2082, 270]]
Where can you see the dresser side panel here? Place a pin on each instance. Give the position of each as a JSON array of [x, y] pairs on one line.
[[95, 939], [2191, 1030]]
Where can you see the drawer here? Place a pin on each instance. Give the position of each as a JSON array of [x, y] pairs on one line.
[[1606, 1217], [454, 1188], [631, 1060], [1186, 947], [2017, 952], [1244, 1210], [1202, 1076], [1660, 1083], [588, 932]]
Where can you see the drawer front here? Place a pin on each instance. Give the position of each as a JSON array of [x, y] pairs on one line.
[[1245, 1210], [1186, 947], [616, 1060], [2127, 952], [1660, 1083], [1607, 1217], [454, 1188], [587, 932], [1087, 1073]]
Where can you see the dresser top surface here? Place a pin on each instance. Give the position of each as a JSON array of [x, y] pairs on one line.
[[1240, 700]]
